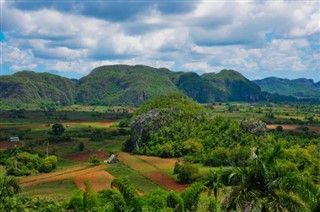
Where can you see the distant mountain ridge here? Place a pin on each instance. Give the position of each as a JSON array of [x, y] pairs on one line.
[[132, 85], [301, 88]]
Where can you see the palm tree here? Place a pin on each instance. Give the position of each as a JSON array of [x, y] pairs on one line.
[[264, 187], [8, 187], [214, 183]]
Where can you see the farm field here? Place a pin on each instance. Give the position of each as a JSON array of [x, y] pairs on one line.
[[142, 184], [99, 180], [152, 171], [100, 135], [60, 175], [52, 191]]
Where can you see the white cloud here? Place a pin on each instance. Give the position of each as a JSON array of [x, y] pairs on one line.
[[212, 36], [198, 66]]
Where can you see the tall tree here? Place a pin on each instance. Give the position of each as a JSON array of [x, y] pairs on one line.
[[214, 183], [57, 129]]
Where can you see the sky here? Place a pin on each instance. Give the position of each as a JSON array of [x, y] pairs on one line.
[[71, 37]]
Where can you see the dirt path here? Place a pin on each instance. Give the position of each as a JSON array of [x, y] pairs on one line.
[[60, 176]]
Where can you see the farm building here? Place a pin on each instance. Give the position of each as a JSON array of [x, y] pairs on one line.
[[14, 139], [112, 159]]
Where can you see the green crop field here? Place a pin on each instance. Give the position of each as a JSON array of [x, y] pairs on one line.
[[140, 182], [52, 191]]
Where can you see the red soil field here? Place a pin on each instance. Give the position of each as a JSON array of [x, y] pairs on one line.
[[293, 127], [68, 175], [99, 180], [7, 144], [284, 126], [84, 156], [165, 181]]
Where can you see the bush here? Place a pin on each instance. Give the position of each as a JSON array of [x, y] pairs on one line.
[[94, 160], [217, 157], [49, 164], [187, 172]]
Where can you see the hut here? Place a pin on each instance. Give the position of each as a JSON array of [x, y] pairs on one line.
[[112, 159], [14, 139]]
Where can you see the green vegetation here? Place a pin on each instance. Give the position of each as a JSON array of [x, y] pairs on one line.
[[123, 85], [299, 88], [235, 156], [31, 87], [51, 191], [20, 163], [132, 85]]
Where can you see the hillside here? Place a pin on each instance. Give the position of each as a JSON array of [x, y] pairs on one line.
[[300, 88], [133, 85], [237, 87], [122, 84], [198, 88], [31, 87]]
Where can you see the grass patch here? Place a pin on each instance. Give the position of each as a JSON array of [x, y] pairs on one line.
[[52, 191], [2, 171], [139, 181], [65, 163]]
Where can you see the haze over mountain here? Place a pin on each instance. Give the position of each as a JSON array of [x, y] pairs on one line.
[[299, 88], [132, 85]]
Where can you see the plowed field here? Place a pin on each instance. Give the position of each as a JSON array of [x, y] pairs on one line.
[[99, 178], [165, 181], [7, 144], [84, 156]]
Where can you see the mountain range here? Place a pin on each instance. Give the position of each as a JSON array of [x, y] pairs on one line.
[[132, 85], [300, 88]]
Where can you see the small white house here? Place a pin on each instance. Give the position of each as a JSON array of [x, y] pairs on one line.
[[111, 159], [14, 139]]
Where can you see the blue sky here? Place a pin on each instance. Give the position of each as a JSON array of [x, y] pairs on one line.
[[71, 37]]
